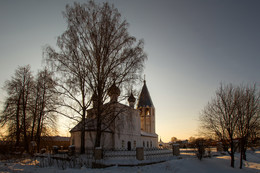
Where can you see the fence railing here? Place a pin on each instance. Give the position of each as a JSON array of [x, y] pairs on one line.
[[155, 153], [119, 153], [99, 156], [149, 153]]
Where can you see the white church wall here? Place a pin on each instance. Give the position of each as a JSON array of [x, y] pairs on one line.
[[127, 129], [128, 122], [106, 140], [149, 142], [122, 140], [75, 140]]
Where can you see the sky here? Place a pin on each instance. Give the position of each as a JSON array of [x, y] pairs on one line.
[[192, 46]]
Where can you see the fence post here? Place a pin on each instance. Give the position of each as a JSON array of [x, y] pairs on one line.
[[140, 153], [98, 153], [176, 149], [55, 149], [72, 150]]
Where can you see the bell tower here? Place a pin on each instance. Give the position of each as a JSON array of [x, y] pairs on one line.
[[147, 110]]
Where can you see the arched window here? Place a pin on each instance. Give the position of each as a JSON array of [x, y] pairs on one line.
[[123, 144], [129, 146], [147, 112]]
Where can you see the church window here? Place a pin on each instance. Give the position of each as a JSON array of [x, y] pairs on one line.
[[123, 144], [143, 144], [151, 144], [147, 112], [134, 144], [147, 144]]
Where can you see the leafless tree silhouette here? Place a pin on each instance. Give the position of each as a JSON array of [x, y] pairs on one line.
[[96, 51], [232, 115], [249, 117], [28, 106]]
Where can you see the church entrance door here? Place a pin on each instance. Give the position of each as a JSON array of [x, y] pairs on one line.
[[128, 145]]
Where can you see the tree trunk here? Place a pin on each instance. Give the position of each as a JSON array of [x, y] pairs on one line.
[[26, 147], [245, 144], [232, 154], [38, 132], [98, 135], [82, 144], [33, 126], [98, 130], [17, 143], [34, 117], [241, 153]]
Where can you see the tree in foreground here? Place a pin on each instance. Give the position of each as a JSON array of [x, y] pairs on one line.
[[233, 114], [248, 117], [95, 52], [28, 106], [16, 106], [43, 106]]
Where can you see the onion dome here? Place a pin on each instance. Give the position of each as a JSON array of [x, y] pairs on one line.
[[131, 100], [94, 99], [113, 92]]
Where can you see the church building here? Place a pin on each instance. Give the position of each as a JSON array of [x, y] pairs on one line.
[[126, 127]]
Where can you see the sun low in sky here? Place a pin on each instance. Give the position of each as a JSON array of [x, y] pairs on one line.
[[192, 47]]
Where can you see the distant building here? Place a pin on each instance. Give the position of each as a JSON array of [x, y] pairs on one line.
[[49, 141], [130, 128], [162, 144]]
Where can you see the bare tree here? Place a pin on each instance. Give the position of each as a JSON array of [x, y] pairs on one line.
[[96, 51], [29, 106], [233, 114], [44, 105], [249, 117], [174, 139], [220, 119], [16, 105]]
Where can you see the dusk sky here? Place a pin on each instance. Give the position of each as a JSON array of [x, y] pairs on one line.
[[192, 46]]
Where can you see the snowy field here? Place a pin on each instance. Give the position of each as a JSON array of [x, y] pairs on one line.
[[219, 164]]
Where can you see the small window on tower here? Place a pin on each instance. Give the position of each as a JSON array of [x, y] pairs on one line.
[[147, 112]]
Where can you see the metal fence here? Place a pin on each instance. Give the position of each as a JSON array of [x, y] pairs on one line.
[[149, 153], [63, 160], [115, 156], [157, 153], [119, 154]]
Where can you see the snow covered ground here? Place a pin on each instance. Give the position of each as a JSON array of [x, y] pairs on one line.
[[219, 164]]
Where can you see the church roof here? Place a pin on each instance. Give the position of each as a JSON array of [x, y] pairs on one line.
[[90, 125], [145, 98], [143, 133]]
